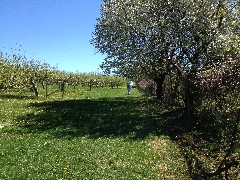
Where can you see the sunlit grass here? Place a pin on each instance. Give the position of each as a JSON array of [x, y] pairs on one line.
[[98, 134], [35, 156]]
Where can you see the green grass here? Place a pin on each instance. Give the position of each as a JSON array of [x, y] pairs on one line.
[[100, 134], [38, 157]]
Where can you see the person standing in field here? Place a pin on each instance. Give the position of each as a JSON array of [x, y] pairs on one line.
[[129, 87]]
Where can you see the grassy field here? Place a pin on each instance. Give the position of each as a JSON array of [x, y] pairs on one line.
[[98, 134]]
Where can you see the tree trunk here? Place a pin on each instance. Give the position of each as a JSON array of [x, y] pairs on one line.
[[63, 88], [90, 85], [188, 96], [43, 86], [170, 91], [46, 90], [160, 88], [34, 88]]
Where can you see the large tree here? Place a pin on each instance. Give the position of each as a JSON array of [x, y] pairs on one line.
[[133, 42], [154, 38]]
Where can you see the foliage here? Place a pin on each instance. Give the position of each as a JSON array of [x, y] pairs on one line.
[[152, 39], [21, 74]]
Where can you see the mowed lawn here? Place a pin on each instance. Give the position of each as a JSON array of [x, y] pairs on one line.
[[99, 134]]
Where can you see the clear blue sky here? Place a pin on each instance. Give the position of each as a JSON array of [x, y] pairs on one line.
[[57, 32]]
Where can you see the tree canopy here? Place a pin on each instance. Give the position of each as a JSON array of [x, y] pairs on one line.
[[154, 39], [147, 37]]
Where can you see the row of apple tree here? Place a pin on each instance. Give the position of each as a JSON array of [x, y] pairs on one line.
[[18, 73]]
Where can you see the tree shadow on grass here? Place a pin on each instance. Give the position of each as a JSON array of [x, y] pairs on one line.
[[129, 117], [101, 118]]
